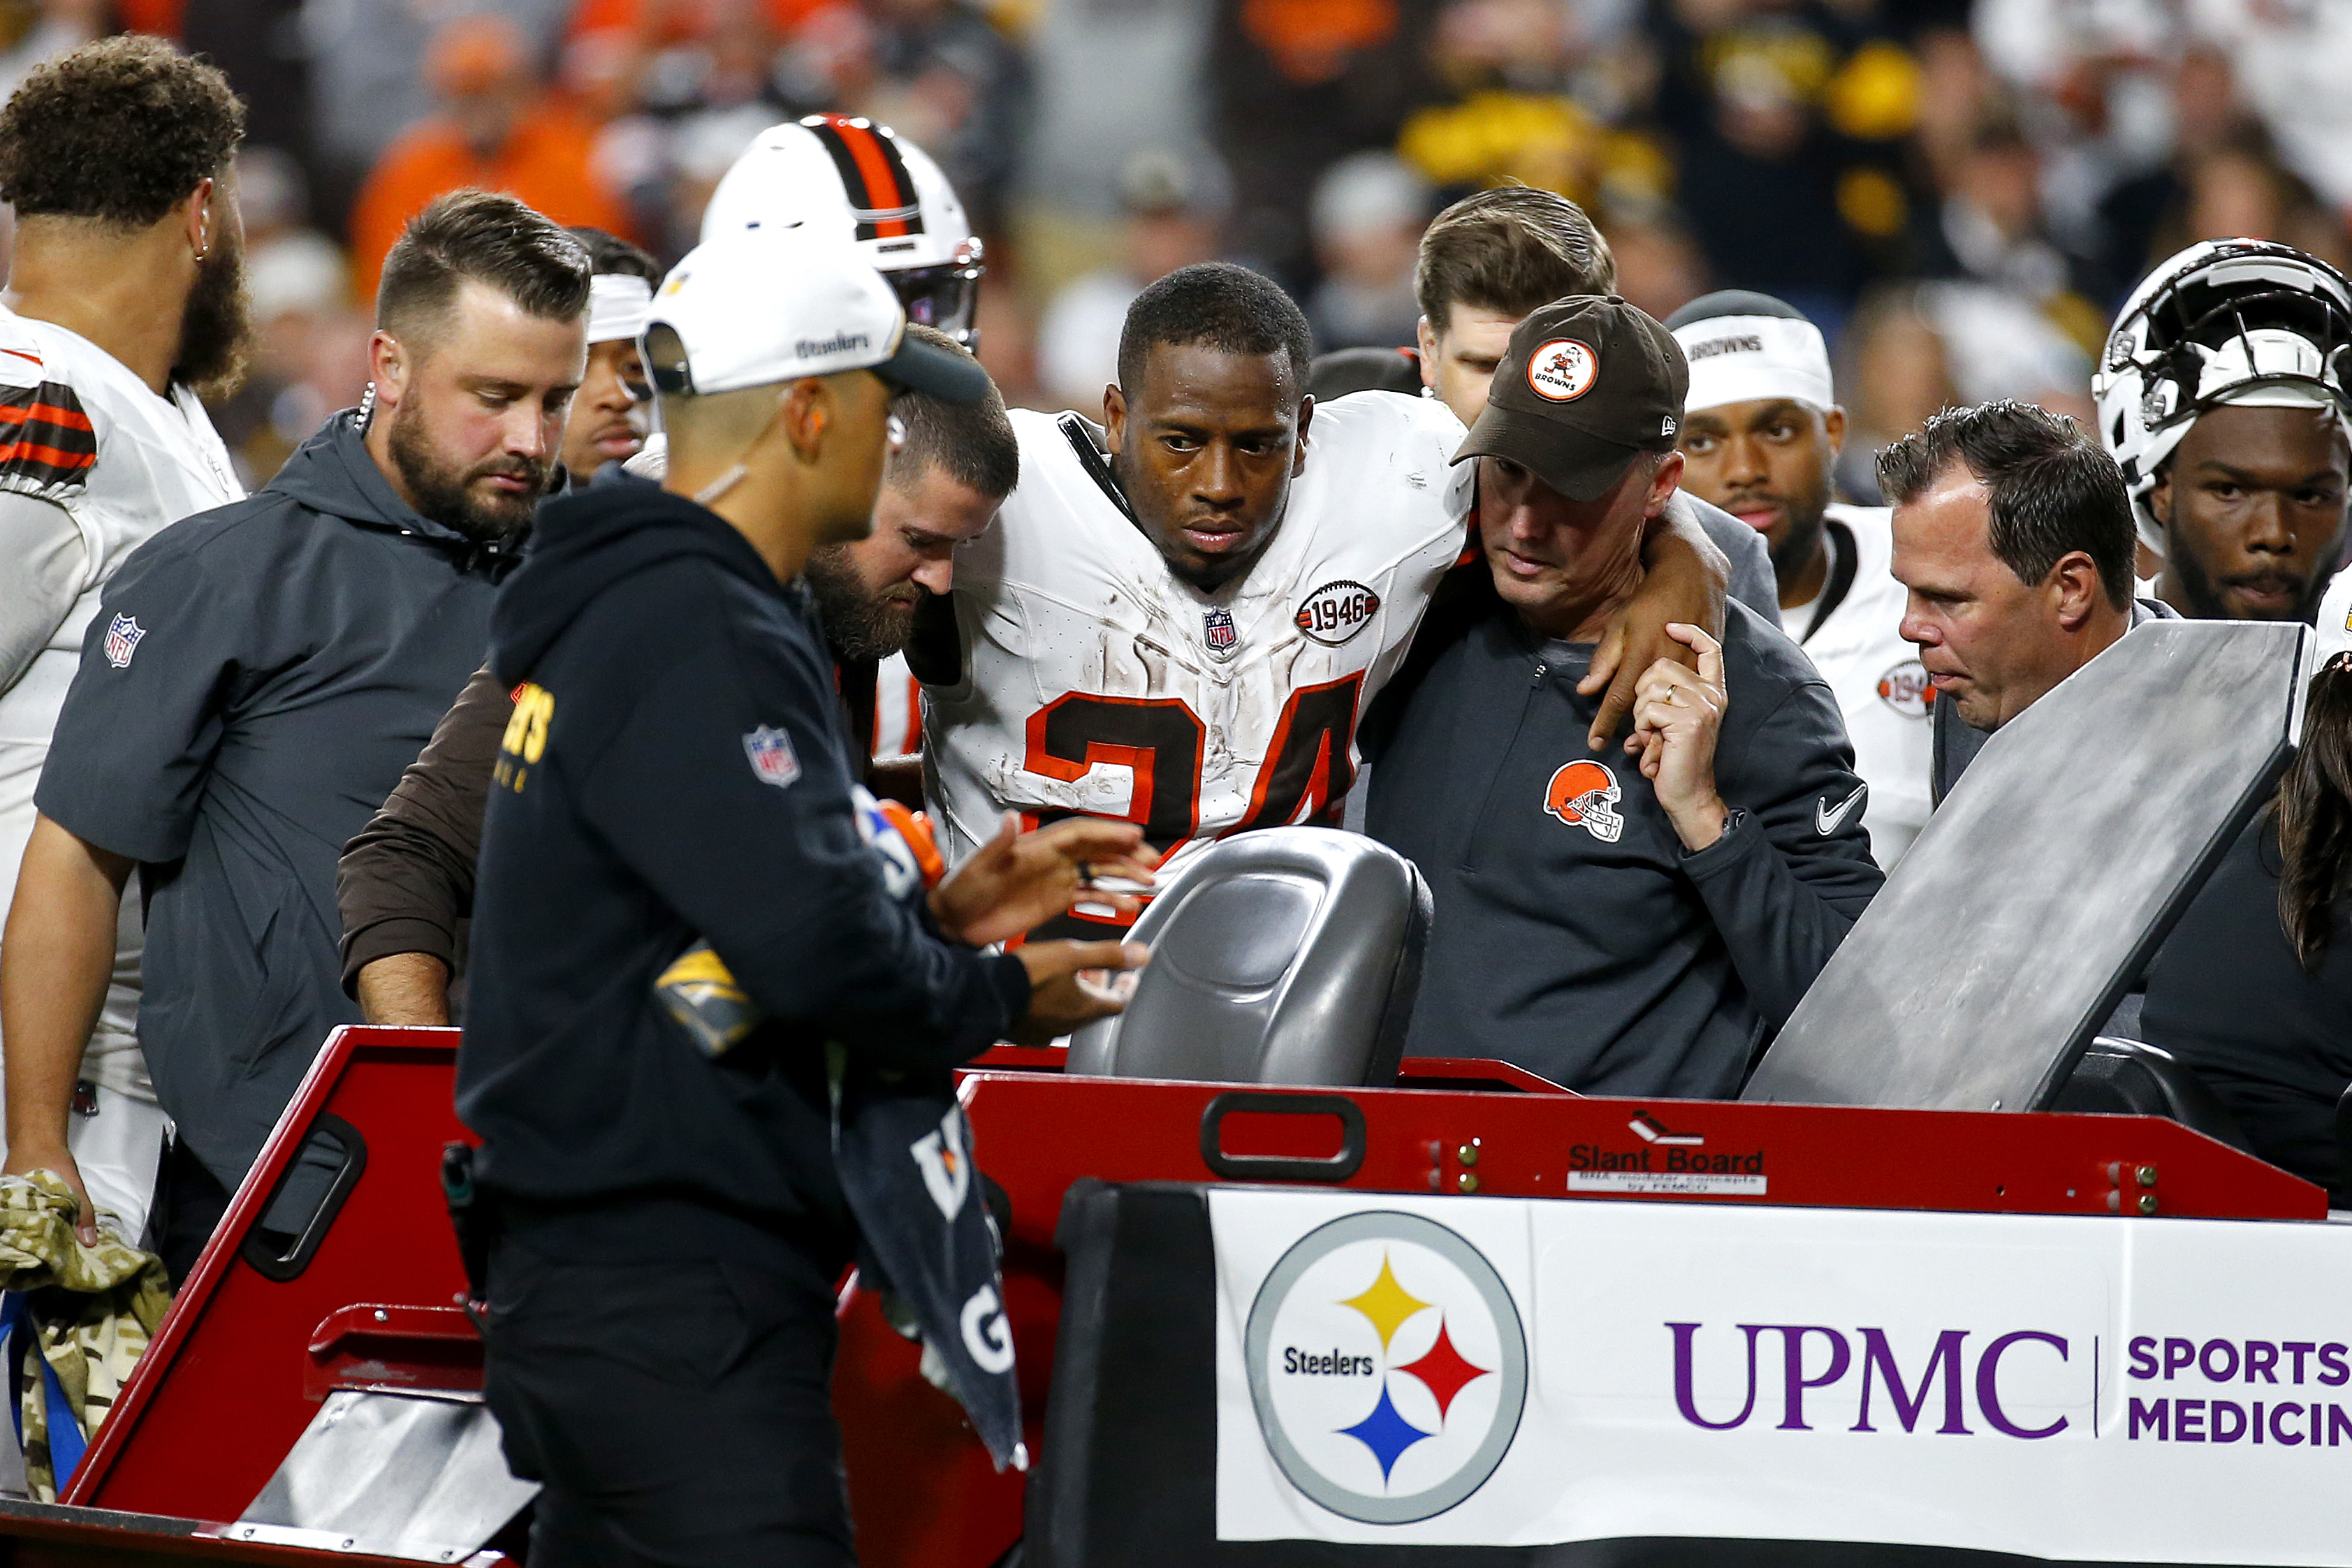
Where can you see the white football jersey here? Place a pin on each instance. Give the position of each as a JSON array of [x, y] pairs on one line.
[[1881, 687], [2335, 620], [78, 429], [1096, 681]]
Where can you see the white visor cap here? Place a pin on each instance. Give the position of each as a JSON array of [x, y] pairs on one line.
[[758, 307], [1751, 359], [616, 305]]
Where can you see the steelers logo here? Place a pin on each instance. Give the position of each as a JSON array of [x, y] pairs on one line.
[[1387, 1366], [1562, 369], [1905, 689]]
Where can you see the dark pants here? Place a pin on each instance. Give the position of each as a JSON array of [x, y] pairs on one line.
[[676, 1412], [190, 1203]]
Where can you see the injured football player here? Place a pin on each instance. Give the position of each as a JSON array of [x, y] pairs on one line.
[[1180, 615]]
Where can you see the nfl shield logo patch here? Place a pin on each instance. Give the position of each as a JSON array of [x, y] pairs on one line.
[[771, 751], [122, 634], [1220, 632]]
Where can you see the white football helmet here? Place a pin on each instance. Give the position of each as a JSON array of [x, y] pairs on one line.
[[884, 191], [2239, 322]]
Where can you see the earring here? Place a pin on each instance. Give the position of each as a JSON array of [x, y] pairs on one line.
[[367, 407]]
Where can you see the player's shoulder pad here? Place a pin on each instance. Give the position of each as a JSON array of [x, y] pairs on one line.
[[48, 443]]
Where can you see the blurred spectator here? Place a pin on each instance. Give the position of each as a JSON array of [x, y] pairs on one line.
[[1368, 213], [1761, 171], [1175, 206], [1915, 348], [945, 79], [1081, 136], [1513, 67], [2291, 61], [2240, 190], [1991, 229], [2206, 116], [498, 129], [259, 44], [56, 26], [1658, 266], [1300, 84], [368, 76], [310, 355]]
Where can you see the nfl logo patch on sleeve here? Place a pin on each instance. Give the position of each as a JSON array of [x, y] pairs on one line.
[[122, 634], [772, 760]]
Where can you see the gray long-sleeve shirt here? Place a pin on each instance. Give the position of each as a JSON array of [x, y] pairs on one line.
[[1574, 935]]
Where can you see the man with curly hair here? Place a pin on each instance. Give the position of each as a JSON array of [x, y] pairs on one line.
[[125, 300]]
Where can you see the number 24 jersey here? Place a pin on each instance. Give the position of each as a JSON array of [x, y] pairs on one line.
[[1094, 681]]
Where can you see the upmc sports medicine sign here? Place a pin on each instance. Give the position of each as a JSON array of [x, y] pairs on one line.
[[1515, 1373]]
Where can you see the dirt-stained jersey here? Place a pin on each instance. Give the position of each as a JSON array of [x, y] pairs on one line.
[[1093, 680]]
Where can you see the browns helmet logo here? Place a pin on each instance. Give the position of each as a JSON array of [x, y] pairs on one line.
[[1907, 690], [1562, 369], [1585, 795]]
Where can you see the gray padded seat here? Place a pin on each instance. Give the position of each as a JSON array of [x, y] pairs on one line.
[[2133, 1078], [1287, 956]]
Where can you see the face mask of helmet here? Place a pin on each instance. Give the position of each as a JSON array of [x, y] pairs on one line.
[[946, 297]]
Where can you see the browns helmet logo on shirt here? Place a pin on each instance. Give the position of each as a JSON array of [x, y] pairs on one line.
[[1585, 795]]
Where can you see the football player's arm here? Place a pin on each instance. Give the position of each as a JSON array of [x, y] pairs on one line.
[[1685, 578], [56, 955], [1790, 871], [407, 878], [46, 560]]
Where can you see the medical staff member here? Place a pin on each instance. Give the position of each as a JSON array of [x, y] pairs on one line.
[[676, 773], [1630, 920], [1760, 437]]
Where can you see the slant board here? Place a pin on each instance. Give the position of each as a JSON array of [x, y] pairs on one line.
[[2049, 876]]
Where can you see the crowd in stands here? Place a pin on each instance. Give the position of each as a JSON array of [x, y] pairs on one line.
[[1959, 193]]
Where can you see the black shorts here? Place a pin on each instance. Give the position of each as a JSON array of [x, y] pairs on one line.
[[675, 1412]]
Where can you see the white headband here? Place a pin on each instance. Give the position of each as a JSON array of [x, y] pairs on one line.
[[1748, 359], [617, 303]]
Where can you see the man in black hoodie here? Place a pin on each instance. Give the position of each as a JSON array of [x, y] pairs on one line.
[[698, 948], [286, 657]]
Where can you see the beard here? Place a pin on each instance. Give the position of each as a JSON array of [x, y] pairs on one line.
[[1795, 550], [446, 494], [2204, 595], [858, 623], [216, 327]]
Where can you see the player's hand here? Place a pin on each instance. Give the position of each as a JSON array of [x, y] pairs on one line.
[[1071, 984], [1685, 578], [1678, 715], [1018, 881], [25, 1157]]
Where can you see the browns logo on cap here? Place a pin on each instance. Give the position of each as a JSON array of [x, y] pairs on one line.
[[1586, 383]]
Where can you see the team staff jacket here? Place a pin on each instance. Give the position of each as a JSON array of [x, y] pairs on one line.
[[253, 681], [1574, 933], [676, 769]]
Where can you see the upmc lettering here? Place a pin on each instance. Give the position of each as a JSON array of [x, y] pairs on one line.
[[1872, 1381]]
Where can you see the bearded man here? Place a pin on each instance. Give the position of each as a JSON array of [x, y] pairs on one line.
[[125, 303], [253, 682]]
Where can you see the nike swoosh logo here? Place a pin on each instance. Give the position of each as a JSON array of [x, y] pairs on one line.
[[1827, 817]]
